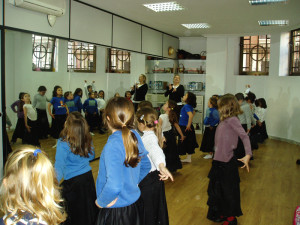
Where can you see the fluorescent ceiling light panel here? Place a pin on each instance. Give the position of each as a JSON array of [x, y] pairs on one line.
[[273, 22], [196, 25], [264, 2], [164, 6]]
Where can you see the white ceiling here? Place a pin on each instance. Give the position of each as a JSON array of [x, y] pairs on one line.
[[224, 16]]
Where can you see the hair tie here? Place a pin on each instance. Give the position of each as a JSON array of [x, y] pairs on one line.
[[172, 108], [123, 125], [36, 152], [155, 122], [142, 117]]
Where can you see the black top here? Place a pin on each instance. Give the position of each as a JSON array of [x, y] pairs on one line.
[[177, 95], [140, 92]]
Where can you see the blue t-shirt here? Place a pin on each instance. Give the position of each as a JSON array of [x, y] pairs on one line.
[[71, 105], [184, 117], [212, 117], [67, 164], [78, 102], [90, 106], [115, 180], [58, 107]]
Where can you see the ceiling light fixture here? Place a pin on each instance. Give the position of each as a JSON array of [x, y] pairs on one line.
[[196, 25], [164, 6], [264, 2], [273, 22]]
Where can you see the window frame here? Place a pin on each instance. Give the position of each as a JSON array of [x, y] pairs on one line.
[[291, 54], [109, 61], [54, 45], [73, 55], [267, 50]]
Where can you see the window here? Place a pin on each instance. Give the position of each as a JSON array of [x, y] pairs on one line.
[[81, 57], [44, 53], [295, 52], [118, 61], [255, 55]]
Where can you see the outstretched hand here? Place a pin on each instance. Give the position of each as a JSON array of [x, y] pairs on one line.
[[245, 160], [165, 174]]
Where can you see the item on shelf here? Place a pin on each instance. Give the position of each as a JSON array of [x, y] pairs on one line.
[[181, 68], [201, 71], [194, 86], [181, 54], [191, 71], [203, 55], [169, 70], [156, 69], [156, 85]]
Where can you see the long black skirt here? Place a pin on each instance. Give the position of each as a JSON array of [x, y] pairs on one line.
[[43, 123], [224, 190], [93, 121], [80, 195], [129, 215], [32, 137], [155, 204], [190, 143], [263, 132], [239, 152], [58, 125], [19, 130], [208, 140], [171, 151]]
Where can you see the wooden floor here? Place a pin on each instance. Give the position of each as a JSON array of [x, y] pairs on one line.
[[269, 193]]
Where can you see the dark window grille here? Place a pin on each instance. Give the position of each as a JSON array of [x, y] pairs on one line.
[[295, 52], [43, 52], [255, 55], [81, 57], [118, 61]]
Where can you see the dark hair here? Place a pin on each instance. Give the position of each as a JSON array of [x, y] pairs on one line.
[[103, 93], [21, 103], [214, 102], [21, 94], [67, 93], [257, 103], [173, 117], [54, 94], [126, 93], [191, 99], [144, 104], [90, 93], [42, 88], [119, 114], [251, 97], [262, 103], [240, 96], [89, 86], [76, 133], [77, 91]]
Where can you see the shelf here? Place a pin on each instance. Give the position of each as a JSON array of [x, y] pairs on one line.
[[191, 60], [192, 73], [160, 73]]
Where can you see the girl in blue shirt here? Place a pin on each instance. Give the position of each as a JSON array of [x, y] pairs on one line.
[[69, 98], [123, 164], [73, 153], [187, 113], [211, 122]]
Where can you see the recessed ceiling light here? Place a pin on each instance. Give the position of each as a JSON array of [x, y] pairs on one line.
[[273, 22], [164, 6], [196, 25], [264, 2]]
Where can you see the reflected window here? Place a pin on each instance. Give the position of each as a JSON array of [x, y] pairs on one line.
[[44, 53], [255, 55], [295, 52], [118, 61], [81, 57]]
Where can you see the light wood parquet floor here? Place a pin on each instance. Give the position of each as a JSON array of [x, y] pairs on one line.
[[269, 193]]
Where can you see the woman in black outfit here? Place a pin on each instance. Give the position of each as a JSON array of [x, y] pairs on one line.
[[176, 92], [139, 91]]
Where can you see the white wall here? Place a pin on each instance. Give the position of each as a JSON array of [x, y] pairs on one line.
[[20, 76], [281, 93]]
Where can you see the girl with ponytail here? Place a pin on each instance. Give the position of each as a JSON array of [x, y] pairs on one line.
[[152, 186], [123, 164]]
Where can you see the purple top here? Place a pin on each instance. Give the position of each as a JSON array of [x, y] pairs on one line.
[[226, 139], [19, 109]]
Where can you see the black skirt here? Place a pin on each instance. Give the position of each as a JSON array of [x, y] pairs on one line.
[[80, 195], [32, 137], [190, 143], [171, 151], [58, 125], [239, 152], [208, 140], [263, 132], [224, 190], [93, 121], [129, 215], [155, 204], [43, 124], [19, 130]]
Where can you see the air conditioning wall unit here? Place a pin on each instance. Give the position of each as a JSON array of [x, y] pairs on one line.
[[50, 7]]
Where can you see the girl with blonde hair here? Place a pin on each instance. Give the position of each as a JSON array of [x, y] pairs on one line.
[[29, 193]]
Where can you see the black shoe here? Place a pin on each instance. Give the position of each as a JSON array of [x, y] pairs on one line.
[[298, 162]]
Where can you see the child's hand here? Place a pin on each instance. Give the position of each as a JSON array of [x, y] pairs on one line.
[[188, 128], [85, 81], [93, 81], [164, 173], [52, 115], [182, 138], [28, 128], [245, 160]]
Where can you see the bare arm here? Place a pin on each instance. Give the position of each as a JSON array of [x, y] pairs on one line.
[[25, 119], [177, 127], [49, 110], [191, 116]]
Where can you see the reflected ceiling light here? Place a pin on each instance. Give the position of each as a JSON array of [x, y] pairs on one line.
[[273, 22], [196, 25], [264, 2], [164, 6]]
